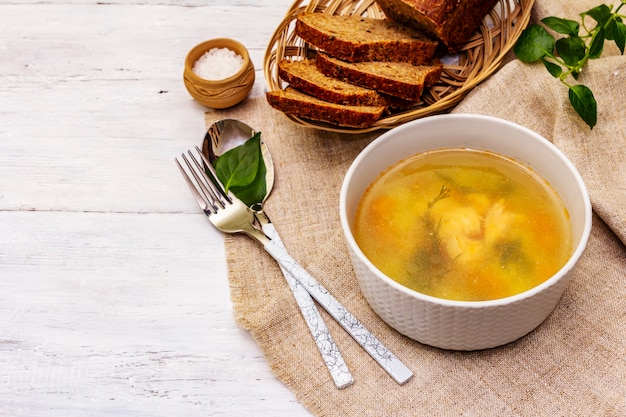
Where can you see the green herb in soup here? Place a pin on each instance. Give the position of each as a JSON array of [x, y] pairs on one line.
[[463, 225]]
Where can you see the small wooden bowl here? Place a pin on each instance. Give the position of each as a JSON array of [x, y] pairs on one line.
[[219, 94]]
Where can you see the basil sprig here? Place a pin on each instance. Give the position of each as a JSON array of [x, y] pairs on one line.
[[242, 171], [569, 54]]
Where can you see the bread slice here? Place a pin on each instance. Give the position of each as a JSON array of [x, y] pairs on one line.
[[453, 22], [357, 39], [294, 102], [399, 79], [306, 77]]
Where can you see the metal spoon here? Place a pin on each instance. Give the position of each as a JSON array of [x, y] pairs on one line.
[[224, 135], [227, 134]]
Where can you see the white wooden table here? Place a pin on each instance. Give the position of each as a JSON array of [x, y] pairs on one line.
[[114, 298]]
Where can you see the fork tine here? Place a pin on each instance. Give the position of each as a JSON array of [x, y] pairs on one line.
[[206, 184], [205, 204], [212, 175], [204, 194]]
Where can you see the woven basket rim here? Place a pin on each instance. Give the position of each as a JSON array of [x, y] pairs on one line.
[[480, 58]]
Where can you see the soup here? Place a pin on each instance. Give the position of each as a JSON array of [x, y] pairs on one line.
[[463, 224]]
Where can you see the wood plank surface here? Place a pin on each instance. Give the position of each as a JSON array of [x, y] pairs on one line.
[[105, 307]]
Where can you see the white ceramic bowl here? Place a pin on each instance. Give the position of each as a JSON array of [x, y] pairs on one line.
[[464, 325]]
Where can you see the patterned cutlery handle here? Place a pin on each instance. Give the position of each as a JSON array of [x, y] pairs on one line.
[[330, 352], [383, 356]]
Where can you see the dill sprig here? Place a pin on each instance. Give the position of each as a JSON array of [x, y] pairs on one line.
[[428, 261]]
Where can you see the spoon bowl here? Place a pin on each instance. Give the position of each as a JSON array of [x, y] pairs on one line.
[[226, 134]]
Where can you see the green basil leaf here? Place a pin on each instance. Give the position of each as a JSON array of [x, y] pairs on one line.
[[609, 29], [597, 45], [564, 26], [574, 49], [554, 69], [238, 167], [571, 50], [619, 36], [533, 44], [254, 192], [600, 14], [584, 103], [242, 171]]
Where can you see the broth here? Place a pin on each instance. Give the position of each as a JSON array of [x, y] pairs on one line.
[[463, 225]]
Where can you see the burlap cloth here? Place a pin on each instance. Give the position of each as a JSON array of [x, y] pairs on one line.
[[574, 364]]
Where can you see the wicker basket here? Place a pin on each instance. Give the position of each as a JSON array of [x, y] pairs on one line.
[[482, 55]]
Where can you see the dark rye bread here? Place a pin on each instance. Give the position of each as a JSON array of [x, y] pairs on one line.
[[453, 22], [357, 39], [398, 79], [294, 102], [306, 77]]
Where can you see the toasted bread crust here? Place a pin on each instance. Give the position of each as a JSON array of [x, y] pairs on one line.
[[294, 102], [306, 77], [453, 22], [358, 39], [397, 79], [362, 67]]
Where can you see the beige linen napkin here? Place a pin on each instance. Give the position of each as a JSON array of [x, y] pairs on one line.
[[574, 364]]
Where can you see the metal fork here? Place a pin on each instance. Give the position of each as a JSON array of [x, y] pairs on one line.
[[230, 215], [211, 197]]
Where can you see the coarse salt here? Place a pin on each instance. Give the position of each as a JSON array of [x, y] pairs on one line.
[[217, 64]]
